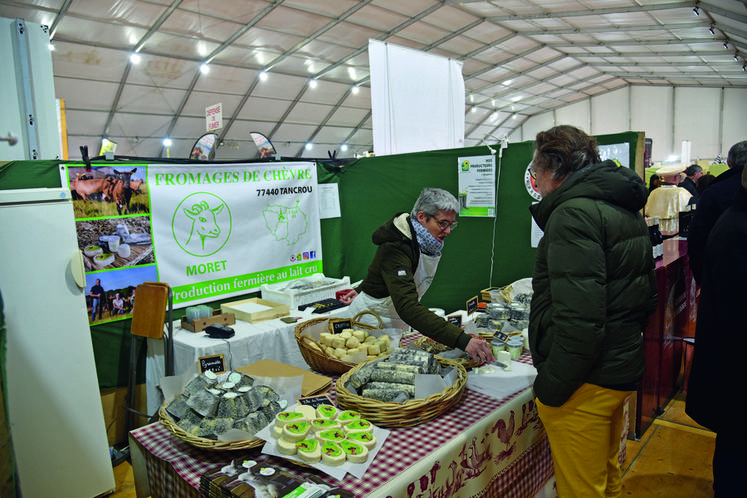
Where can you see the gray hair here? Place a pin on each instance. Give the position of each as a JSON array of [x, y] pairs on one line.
[[434, 200], [693, 169], [737, 155]]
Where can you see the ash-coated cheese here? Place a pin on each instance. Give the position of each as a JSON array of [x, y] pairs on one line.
[[383, 375]]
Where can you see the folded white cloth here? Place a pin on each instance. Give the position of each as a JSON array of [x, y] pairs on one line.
[[492, 380]]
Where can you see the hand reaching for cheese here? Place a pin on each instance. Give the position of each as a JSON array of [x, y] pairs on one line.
[[480, 350], [348, 298]]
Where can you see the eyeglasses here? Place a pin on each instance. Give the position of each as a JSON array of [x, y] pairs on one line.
[[444, 224]]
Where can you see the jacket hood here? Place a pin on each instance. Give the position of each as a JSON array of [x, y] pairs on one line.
[[604, 181], [396, 229]]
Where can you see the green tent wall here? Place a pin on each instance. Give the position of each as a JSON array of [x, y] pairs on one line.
[[371, 191]]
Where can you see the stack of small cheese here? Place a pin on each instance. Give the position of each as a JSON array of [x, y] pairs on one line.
[[324, 434], [355, 346]]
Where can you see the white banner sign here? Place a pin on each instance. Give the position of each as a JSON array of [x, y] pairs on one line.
[[222, 230], [214, 117], [477, 185]]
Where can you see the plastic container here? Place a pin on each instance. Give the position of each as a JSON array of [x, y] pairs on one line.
[[515, 346], [498, 311], [304, 290], [482, 320], [497, 346]]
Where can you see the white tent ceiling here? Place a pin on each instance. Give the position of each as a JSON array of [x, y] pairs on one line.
[[520, 58]]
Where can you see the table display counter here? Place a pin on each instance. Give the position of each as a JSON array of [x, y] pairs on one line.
[[269, 339], [483, 446], [673, 320]]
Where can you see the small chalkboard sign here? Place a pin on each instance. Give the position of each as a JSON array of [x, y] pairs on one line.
[[455, 319], [472, 305], [214, 363], [340, 325], [500, 336], [315, 401]]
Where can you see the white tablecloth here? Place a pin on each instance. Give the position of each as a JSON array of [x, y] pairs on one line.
[[271, 339]]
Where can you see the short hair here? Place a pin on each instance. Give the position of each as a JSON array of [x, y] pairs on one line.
[[564, 150], [431, 201], [693, 169], [737, 155]]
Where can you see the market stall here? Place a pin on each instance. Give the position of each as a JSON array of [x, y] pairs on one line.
[[483, 443]]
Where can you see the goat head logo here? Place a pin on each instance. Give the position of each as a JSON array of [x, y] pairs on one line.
[[201, 224]]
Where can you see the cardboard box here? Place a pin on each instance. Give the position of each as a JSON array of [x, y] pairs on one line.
[[115, 416], [265, 310], [199, 324], [312, 383]]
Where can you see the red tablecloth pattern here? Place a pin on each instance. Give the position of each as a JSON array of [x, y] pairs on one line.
[[482, 447]]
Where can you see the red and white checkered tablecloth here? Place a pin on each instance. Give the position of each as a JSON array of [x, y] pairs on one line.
[[482, 447]]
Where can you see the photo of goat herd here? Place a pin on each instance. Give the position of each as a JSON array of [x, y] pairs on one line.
[[112, 213], [108, 191]]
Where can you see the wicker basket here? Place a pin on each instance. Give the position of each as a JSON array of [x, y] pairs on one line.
[[408, 413], [203, 443], [315, 354]]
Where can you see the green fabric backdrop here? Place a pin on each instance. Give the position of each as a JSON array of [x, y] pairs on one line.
[[371, 191]]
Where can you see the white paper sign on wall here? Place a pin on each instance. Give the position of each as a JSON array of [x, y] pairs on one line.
[[214, 117]]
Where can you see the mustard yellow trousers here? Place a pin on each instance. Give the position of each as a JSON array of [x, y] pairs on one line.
[[584, 435]]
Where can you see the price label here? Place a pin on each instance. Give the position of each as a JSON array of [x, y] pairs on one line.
[[455, 319], [340, 325], [500, 336], [315, 401], [472, 305], [213, 363]]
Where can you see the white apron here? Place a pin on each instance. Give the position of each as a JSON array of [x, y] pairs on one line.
[[384, 307]]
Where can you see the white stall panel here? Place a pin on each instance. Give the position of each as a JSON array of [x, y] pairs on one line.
[[610, 112], [652, 113], [697, 112]]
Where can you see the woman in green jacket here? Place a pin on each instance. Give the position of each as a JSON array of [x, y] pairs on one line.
[[594, 289]]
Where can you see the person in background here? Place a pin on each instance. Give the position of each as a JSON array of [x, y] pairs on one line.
[[96, 294], [132, 299], [692, 173], [117, 304], [653, 182], [667, 201], [713, 201], [407, 255], [720, 343], [703, 183], [594, 289]]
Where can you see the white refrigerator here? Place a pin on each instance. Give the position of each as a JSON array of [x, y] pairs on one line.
[[54, 405]]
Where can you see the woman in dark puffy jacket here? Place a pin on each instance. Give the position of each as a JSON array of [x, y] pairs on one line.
[[594, 289]]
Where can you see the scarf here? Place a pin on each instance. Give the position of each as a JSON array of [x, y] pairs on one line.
[[428, 243]]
